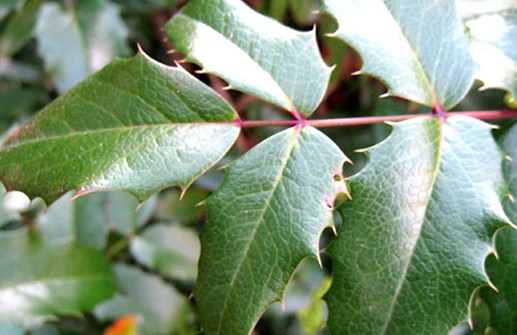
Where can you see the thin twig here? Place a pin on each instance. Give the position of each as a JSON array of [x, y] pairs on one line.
[[358, 121]]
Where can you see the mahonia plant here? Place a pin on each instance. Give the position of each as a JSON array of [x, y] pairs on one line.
[[420, 219]]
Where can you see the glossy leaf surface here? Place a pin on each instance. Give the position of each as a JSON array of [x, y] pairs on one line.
[[39, 280], [414, 238], [253, 53], [494, 37], [136, 125], [418, 48], [265, 218]]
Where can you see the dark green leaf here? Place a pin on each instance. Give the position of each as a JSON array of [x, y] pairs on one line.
[[253, 53], [136, 125], [414, 238], [265, 218], [418, 48]]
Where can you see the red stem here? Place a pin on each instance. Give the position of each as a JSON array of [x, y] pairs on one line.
[[358, 121]]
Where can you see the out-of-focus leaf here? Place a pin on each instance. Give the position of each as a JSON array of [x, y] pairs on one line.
[[145, 6], [40, 280], [11, 329], [7, 6], [18, 71], [171, 250], [104, 32], [305, 12], [19, 28], [76, 43], [493, 40], [18, 104], [89, 218], [61, 46], [161, 308], [184, 210], [502, 272], [136, 126], [471, 8], [253, 53], [389, 36]]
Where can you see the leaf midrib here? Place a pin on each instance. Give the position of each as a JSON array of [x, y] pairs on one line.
[[6, 145], [424, 220], [415, 57], [259, 222]]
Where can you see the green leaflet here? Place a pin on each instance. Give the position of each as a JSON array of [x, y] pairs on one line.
[[265, 218], [253, 53], [493, 40], [414, 238], [502, 271], [74, 44], [136, 125], [39, 280], [509, 145], [418, 48]]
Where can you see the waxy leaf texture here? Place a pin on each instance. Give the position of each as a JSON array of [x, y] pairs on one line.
[[136, 125], [412, 246], [262, 222], [253, 53], [418, 48]]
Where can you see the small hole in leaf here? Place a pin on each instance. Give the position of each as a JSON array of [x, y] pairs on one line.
[[337, 178]]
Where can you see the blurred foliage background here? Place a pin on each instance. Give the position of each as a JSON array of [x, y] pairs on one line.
[[47, 47]]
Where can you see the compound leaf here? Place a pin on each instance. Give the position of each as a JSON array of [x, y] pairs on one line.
[[495, 52], [253, 53], [39, 280], [418, 48], [265, 218], [414, 238], [136, 125]]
